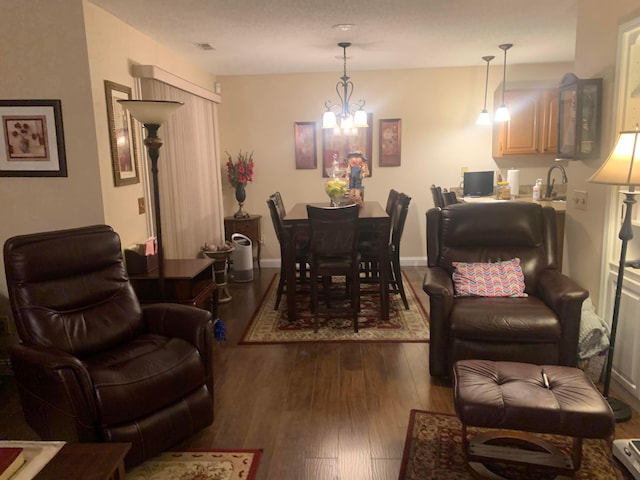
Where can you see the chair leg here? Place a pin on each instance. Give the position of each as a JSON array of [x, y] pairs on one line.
[[355, 298], [397, 275], [280, 291], [314, 299]]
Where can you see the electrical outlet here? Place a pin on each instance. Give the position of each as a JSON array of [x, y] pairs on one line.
[[580, 199], [141, 206]]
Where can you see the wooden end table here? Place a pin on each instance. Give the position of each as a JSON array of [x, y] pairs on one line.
[[87, 461]]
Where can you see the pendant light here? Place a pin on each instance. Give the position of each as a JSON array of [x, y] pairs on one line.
[[502, 114], [484, 118], [351, 115]]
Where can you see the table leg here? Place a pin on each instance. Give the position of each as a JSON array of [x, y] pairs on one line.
[[289, 268], [384, 265]]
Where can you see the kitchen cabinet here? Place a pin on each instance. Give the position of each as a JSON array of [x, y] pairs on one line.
[[580, 106], [533, 128]]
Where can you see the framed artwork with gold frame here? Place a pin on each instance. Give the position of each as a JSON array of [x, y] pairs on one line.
[[122, 137]]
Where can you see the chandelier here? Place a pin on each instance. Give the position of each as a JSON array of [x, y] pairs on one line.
[[348, 119]]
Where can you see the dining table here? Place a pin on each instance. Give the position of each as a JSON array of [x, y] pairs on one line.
[[373, 222]]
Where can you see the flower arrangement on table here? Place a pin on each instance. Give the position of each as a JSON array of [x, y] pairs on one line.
[[239, 173]]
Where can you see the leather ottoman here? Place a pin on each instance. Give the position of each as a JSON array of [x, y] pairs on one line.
[[522, 397]]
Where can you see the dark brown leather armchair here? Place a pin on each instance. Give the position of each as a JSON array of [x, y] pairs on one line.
[[542, 328], [93, 365]]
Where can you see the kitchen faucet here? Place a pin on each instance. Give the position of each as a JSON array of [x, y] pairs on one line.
[[550, 184]]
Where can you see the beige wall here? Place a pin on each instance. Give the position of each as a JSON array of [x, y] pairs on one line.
[[65, 49], [113, 47], [438, 108], [40, 60]]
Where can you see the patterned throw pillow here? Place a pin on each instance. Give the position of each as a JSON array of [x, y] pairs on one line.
[[500, 279]]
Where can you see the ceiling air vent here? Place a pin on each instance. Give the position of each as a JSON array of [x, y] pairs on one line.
[[204, 46]]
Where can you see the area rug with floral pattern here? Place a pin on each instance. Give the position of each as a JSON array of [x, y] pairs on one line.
[[433, 450], [199, 465], [272, 326]]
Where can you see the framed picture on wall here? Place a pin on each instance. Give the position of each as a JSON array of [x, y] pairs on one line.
[[124, 154], [32, 140], [304, 136], [339, 143], [389, 142]]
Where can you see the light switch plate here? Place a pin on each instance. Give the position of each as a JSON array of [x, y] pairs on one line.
[[580, 199]]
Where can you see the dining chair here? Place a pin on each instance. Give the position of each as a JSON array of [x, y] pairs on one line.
[[369, 269], [333, 245], [438, 198], [369, 255], [301, 245], [449, 198]]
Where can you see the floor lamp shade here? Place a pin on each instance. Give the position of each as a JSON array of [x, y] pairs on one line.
[[154, 112], [622, 166]]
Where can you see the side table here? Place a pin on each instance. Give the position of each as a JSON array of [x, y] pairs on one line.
[[248, 226], [187, 281]]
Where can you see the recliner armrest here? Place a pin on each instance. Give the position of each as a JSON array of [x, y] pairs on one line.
[[438, 282], [559, 291], [182, 321], [61, 381]]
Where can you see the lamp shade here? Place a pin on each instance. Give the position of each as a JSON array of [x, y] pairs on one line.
[[329, 120], [502, 114], [360, 119], [154, 112], [484, 118], [622, 166]]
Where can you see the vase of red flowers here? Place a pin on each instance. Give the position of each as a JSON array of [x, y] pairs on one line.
[[239, 173]]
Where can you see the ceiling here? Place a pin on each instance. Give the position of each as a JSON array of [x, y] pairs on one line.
[[295, 36]]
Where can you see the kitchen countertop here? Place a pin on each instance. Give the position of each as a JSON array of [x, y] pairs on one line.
[[558, 205]]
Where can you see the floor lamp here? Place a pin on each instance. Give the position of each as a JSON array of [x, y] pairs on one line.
[[152, 114], [621, 168]]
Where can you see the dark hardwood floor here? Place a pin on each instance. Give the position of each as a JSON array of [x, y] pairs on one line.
[[319, 411]]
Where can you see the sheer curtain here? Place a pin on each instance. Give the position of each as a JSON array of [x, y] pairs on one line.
[[189, 172]]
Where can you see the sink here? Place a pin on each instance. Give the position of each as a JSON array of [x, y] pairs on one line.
[[557, 198]]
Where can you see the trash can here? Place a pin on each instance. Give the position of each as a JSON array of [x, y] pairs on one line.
[[241, 258]]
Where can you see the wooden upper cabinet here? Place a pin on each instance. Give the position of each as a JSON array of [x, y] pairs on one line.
[[533, 128]]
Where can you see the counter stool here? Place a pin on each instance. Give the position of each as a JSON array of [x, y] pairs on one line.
[[521, 398]]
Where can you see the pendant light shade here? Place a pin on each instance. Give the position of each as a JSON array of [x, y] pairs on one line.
[[502, 114], [484, 118]]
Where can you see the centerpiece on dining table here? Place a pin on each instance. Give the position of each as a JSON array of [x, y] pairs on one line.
[[239, 174], [336, 186]]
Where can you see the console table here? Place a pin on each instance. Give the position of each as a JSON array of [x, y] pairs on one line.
[[187, 281], [248, 226]]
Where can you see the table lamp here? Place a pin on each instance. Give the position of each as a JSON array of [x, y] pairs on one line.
[[621, 168], [152, 114]]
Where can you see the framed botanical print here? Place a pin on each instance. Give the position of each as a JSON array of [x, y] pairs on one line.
[[32, 139], [304, 135], [124, 154], [338, 143], [389, 142]]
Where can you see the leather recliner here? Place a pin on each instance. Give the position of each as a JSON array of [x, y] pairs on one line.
[[541, 328], [93, 365]]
